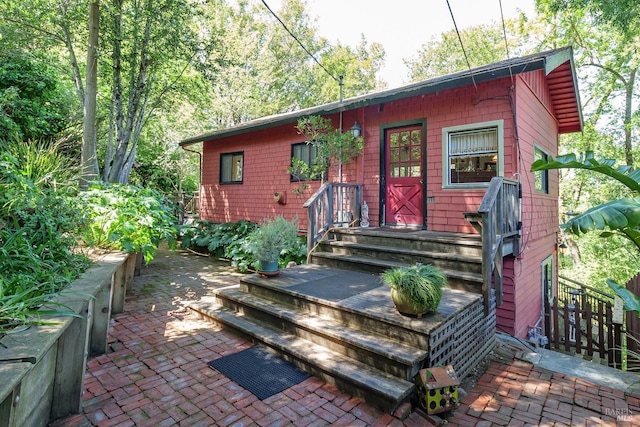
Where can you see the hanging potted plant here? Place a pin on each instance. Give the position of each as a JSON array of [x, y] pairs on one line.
[[334, 148], [269, 240], [416, 289]]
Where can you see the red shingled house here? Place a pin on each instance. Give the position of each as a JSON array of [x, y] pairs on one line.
[[446, 155]]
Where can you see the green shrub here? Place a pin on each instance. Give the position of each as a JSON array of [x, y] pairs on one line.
[[229, 241], [273, 236], [420, 283], [128, 218], [38, 222], [215, 238], [43, 165], [296, 253]]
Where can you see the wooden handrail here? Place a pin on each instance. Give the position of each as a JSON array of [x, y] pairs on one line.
[[585, 292], [333, 204], [498, 220]]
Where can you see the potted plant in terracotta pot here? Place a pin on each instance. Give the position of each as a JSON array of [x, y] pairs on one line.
[[415, 289], [268, 241]]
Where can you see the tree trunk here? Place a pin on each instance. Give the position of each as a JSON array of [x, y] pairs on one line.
[[75, 69], [116, 114], [89, 144], [127, 127], [628, 114]]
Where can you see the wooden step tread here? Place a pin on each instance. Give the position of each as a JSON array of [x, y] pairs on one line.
[[400, 250], [364, 377], [391, 264], [329, 327], [469, 239]]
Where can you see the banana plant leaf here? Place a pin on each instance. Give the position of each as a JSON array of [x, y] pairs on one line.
[[616, 215], [625, 174], [631, 300]]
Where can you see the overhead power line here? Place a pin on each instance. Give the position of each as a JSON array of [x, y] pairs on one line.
[[506, 45], [339, 80], [462, 46]]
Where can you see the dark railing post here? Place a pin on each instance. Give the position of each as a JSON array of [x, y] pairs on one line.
[[567, 326], [601, 326], [556, 323], [588, 314], [610, 341], [547, 322], [617, 345], [577, 316]]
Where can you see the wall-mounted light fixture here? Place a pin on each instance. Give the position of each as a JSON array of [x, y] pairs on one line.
[[356, 129], [562, 247]]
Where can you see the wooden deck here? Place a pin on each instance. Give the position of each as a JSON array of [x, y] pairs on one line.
[[342, 326], [362, 293]]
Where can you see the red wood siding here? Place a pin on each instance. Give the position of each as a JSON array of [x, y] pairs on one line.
[[267, 155], [444, 109], [506, 313], [536, 127]]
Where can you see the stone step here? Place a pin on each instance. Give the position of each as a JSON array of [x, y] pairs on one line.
[[442, 260], [375, 350], [377, 388], [468, 281]]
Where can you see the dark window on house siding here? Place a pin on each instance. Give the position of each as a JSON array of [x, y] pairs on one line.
[[231, 165], [306, 153], [541, 178]]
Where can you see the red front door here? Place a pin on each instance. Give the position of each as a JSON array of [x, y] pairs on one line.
[[404, 176]]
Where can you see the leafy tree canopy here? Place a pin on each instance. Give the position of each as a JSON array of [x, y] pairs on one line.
[[622, 14], [33, 102], [483, 44]]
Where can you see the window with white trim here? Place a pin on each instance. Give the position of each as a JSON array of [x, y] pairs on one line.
[[472, 154]]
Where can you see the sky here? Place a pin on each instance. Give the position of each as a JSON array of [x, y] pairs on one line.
[[402, 26]]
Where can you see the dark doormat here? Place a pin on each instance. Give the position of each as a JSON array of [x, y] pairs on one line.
[[337, 288], [260, 371]]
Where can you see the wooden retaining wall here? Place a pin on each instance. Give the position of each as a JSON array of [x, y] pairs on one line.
[[42, 368]]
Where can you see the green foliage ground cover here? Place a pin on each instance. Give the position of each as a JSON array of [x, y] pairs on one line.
[[38, 223], [230, 241], [128, 218], [45, 224]]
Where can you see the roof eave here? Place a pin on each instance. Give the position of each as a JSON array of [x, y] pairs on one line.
[[554, 61], [547, 61]]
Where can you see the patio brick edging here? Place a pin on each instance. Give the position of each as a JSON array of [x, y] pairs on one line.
[[42, 367]]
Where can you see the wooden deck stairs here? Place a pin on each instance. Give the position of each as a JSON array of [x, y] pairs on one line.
[[374, 250], [335, 319]]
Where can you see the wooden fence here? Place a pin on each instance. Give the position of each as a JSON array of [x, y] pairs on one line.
[[633, 330], [187, 205], [587, 329]]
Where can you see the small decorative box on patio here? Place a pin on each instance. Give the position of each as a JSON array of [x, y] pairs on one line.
[[437, 389]]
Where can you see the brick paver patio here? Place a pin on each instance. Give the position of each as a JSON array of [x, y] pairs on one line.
[[157, 374]]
